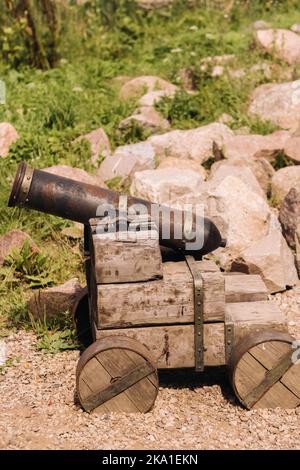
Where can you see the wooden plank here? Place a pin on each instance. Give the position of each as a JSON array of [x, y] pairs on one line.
[[169, 300], [250, 373], [273, 354], [126, 257], [173, 346], [95, 378], [278, 396], [291, 379], [245, 288], [272, 376], [251, 317]]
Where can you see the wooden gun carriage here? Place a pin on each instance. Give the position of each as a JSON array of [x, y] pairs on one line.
[[148, 313]]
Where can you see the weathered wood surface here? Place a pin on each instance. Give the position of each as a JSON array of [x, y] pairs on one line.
[[108, 380], [245, 288], [173, 346], [126, 257], [265, 376], [252, 317], [169, 300]]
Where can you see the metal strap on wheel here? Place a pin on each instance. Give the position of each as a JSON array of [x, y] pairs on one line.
[[198, 308]]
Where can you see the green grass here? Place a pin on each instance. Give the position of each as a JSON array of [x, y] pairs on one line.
[[50, 109]]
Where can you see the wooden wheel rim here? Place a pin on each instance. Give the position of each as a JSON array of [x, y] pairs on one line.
[[111, 343], [247, 344]]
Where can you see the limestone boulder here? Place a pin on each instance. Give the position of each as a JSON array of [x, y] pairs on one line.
[[145, 84], [253, 145], [241, 214], [182, 164], [163, 185], [289, 215], [278, 103], [8, 136], [271, 258], [49, 303], [99, 142], [126, 160], [260, 24], [284, 180], [195, 144], [220, 171], [152, 98], [14, 239], [148, 118], [292, 149], [282, 42]]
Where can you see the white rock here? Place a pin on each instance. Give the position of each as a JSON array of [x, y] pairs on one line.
[[249, 146], [147, 118], [126, 160], [166, 184], [292, 149], [278, 103], [241, 215], [295, 28], [225, 118], [183, 164], [8, 136], [226, 168], [283, 42], [196, 144], [263, 68], [284, 180], [147, 83], [272, 259], [99, 143], [260, 24], [152, 97]]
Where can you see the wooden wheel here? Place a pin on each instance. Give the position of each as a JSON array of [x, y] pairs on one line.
[[264, 371], [116, 373]]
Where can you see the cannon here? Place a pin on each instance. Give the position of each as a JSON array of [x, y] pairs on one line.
[[147, 311]]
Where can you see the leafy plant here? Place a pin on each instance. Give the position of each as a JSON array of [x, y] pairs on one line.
[[56, 341], [29, 266]]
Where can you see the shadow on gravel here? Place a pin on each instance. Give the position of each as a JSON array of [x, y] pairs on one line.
[[188, 378]]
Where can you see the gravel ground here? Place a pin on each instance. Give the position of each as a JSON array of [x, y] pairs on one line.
[[191, 412]]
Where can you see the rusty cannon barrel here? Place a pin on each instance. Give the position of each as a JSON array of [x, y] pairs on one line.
[[64, 197]]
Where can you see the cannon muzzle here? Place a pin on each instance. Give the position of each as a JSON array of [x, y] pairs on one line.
[[64, 197]]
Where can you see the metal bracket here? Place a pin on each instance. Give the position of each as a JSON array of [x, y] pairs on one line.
[[198, 308], [229, 335]]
